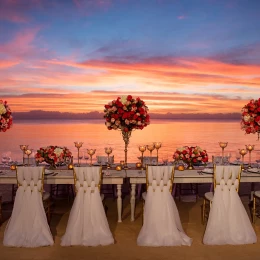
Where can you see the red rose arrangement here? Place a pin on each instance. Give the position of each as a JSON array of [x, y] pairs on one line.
[[53, 155], [250, 122], [6, 119], [191, 154], [126, 114]]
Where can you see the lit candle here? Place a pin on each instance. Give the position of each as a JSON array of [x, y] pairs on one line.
[[118, 168], [223, 144], [243, 152], [157, 145], [78, 144], [142, 148], [250, 147]]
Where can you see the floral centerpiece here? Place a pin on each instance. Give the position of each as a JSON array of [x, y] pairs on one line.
[[6, 119], [126, 114], [53, 155], [191, 155], [250, 122]]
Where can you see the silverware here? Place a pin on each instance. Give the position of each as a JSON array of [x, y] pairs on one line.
[[54, 174]]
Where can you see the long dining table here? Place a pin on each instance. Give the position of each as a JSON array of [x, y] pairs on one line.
[[136, 176]]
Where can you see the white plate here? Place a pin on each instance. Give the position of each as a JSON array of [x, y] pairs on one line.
[[208, 171], [253, 170], [47, 172]]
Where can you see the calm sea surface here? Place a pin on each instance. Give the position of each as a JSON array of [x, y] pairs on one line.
[[95, 135]]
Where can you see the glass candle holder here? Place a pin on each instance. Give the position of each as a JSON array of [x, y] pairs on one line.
[[28, 152], [250, 148], [243, 152], [150, 148], [23, 147], [78, 145], [91, 152], [223, 145], [142, 149], [157, 146], [108, 151]]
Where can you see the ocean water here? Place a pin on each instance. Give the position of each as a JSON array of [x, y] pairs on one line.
[[94, 135]]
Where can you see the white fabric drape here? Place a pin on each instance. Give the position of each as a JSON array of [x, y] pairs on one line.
[[228, 221], [87, 224], [28, 226], [162, 225]]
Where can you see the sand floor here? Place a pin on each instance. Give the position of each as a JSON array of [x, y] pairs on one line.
[[126, 233]]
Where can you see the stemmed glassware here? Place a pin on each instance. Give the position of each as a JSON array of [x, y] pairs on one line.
[[78, 145], [28, 152], [108, 151], [91, 152], [23, 147], [157, 146], [223, 145], [142, 149], [250, 148], [238, 156], [243, 152], [86, 156]]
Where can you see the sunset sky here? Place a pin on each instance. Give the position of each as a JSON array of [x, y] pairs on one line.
[[179, 56]]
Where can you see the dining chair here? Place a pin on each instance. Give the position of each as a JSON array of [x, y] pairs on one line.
[[1, 210], [256, 202], [161, 221], [87, 223], [228, 221], [28, 225]]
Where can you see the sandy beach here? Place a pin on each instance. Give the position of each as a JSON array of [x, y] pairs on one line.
[[126, 233]]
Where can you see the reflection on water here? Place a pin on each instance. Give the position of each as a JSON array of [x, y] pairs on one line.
[[94, 134]]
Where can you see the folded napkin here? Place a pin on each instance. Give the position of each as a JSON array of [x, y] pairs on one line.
[[253, 170]]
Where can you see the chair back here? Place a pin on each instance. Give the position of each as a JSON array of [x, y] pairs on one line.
[[29, 178], [227, 176], [87, 178], [150, 160], [103, 159], [159, 176]]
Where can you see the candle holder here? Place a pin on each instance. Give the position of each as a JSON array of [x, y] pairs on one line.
[[28, 152], [223, 145], [78, 145], [91, 152], [150, 148], [157, 146], [23, 147], [108, 151], [250, 148], [142, 149], [243, 152]]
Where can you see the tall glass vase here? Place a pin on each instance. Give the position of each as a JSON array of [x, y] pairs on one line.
[[126, 137]]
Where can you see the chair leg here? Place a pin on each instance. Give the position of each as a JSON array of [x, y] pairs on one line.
[[253, 211], [203, 211], [0, 210]]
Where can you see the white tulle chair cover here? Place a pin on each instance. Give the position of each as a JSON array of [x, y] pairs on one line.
[[162, 225], [87, 224], [28, 226], [228, 221]]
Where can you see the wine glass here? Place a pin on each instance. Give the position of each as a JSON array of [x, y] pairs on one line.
[[80, 155], [238, 156], [4, 159]]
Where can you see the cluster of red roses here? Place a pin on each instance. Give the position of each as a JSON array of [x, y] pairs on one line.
[[250, 122], [126, 113], [6, 119], [191, 154]]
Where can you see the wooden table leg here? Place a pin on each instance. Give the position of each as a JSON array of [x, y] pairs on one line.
[[119, 202], [133, 186]]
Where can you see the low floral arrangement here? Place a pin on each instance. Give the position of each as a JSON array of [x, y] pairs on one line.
[[6, 119], [126, 113], [53, 155], [250, 122], [191, 154]]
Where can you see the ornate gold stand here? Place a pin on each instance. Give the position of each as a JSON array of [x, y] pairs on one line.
[[126, 137]]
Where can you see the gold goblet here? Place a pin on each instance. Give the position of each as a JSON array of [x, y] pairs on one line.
[[91, 152], [243, 152], [157, 146], [23, 147], [28, 152], [78, 145], [150, 148], [250, 148], [108, 151], [142, 149], [223, 145]]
